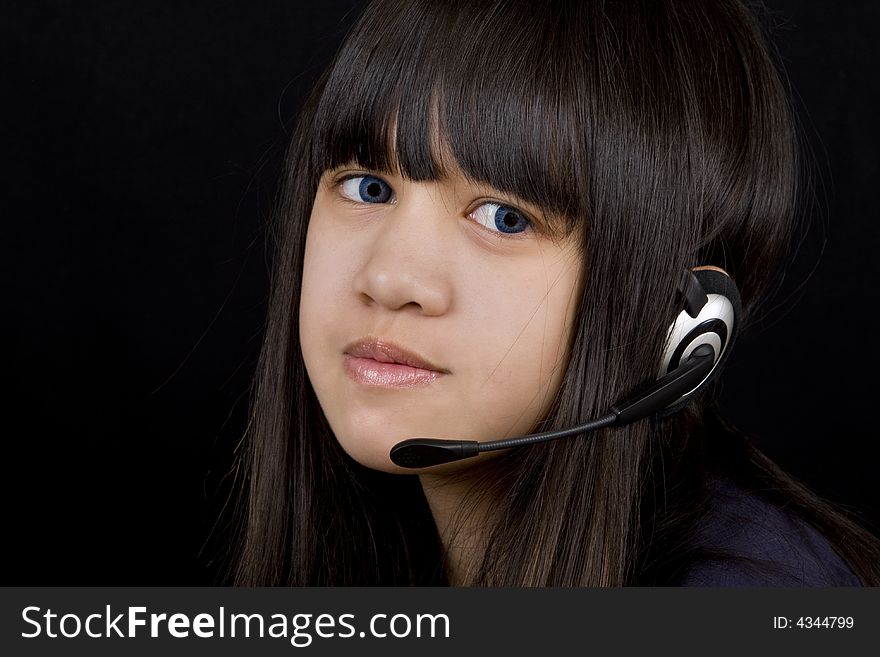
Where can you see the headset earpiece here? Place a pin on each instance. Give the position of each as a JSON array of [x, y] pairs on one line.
[[711, 316]]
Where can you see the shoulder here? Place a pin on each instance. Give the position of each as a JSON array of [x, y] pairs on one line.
[[766, 545]]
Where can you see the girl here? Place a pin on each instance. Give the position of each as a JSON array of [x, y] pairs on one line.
[[500, 197]]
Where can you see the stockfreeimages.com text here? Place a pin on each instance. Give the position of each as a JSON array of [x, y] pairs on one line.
[[300, 629]]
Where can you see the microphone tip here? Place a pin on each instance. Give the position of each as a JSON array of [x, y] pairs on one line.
[[425, 452]]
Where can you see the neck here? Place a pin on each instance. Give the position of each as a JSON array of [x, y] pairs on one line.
[[460, 518]]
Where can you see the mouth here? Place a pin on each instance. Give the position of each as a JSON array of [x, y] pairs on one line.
[[374, 362]]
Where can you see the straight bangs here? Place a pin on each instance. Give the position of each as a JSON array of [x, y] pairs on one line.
[[422, 88]]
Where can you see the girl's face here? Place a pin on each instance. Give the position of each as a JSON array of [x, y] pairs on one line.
[[453, 271]]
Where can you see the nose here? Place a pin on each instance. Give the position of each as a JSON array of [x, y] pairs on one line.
[[407, 263]]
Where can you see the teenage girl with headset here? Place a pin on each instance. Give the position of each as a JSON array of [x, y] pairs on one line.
[[509, 218]]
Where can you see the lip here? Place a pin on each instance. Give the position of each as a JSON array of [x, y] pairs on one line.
[[376, 362]]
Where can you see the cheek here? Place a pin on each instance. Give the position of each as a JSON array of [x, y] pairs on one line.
[[322, 289], [524, 350]]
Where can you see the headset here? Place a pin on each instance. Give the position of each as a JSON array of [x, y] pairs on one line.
[[698, 344]]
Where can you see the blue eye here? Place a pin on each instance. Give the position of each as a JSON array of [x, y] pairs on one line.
[[501, 217], [366, 189]]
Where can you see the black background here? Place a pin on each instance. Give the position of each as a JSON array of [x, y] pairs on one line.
[[141, 145]]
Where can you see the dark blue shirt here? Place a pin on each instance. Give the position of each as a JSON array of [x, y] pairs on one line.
[[779, 548]]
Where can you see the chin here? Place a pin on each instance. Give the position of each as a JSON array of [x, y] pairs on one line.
[[371, 454]]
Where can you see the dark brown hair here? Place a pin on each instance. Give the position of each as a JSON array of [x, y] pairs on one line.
[[660, 133]]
